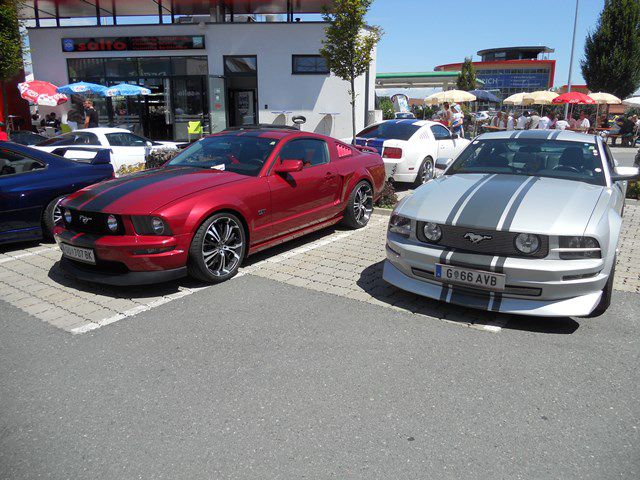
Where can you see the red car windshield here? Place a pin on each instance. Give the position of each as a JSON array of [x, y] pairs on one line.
[[242, 154]]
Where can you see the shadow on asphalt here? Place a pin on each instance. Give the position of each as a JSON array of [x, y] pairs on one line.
[[13, 247], [371, 282]]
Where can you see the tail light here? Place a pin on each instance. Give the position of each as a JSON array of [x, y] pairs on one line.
[[392, 152]]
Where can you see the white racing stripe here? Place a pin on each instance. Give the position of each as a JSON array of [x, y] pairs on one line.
[[188, 291]]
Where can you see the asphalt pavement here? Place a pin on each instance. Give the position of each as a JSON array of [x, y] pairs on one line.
[[255, 378]]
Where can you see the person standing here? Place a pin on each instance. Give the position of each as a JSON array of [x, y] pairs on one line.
[[510, 122], [91, 115], [534, 120], [457, 121], [583, 123], [522, 121], [544, 123], [75, 116], [562, 124], [553, 120]]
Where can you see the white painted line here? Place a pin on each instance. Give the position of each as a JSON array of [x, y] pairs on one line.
[[496, 325], [29, 254]]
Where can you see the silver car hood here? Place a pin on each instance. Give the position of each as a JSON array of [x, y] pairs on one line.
[[505, 202]]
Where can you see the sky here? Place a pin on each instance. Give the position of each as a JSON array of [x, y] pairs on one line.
[[420, 34]]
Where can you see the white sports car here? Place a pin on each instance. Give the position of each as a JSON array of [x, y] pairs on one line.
[[410, 148], [126, 148]]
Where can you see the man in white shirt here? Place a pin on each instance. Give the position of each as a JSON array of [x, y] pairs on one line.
[[562, 124], [585, 124], [521, 121], [544, 123], [534, 121], [510, 121]]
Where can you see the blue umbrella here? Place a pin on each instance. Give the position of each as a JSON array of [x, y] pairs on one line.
[[485, 96], [81, 87], [125, 89]]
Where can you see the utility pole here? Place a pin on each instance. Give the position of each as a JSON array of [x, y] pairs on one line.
[[573, 46]]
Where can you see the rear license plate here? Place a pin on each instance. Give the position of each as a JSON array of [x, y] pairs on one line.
[[472, 278], [81, 254]]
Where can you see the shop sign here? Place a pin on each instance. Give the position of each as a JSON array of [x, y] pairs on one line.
[[123, 44]]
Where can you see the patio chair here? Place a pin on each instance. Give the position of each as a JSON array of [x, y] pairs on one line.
[[194, 128]]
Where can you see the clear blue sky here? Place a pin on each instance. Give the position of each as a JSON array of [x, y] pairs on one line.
[[420, 34]]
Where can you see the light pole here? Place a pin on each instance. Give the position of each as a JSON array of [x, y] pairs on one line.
[[573, 45]]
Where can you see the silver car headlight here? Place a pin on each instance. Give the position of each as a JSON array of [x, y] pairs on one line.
[[400, 225], [573, 248], [432, 232], [527, 243]]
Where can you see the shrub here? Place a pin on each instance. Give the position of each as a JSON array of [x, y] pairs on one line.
[[633, 190], [388, 199], [129, 169], [157, 158]]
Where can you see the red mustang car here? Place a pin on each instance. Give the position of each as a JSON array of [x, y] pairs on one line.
[[227, 196]]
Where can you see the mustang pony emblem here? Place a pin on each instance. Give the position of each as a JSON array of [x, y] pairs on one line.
[[84, 219], [475, 238]]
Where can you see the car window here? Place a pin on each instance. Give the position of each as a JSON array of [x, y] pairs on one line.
[[610, 159], [12, 163], [440, 133], [242, 154], [125, 139], [543, 158], [73, 138], [311, 151], [398, 130]]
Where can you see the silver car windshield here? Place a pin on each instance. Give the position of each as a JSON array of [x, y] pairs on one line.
[[543, 158]]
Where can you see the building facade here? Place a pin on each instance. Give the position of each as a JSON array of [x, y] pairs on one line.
[[512, 70], [212, 71]]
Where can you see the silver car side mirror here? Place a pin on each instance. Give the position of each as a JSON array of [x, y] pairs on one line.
[[443, 163], [621, 174]]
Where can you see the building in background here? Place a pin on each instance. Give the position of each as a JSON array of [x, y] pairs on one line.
[[511, 70], [217, 63]]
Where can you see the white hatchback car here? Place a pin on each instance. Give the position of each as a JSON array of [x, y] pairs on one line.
[[410, 148], [126, 148]]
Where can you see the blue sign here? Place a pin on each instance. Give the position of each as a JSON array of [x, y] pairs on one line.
[[68, 45], [538, 81]]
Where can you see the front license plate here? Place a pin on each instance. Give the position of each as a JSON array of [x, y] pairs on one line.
[[472, 278], [81, 254]]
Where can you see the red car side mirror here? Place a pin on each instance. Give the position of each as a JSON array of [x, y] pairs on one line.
[[289, 166]]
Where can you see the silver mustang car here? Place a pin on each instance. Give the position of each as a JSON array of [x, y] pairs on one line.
[[523, 222]]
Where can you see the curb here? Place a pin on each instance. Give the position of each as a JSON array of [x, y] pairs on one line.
[[383, 211]]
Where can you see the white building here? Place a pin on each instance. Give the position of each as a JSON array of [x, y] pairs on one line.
[[218, 62]]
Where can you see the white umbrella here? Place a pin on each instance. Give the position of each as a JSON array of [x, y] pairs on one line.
[[450, 96], [632, 101], [515, 99], [605, 98], [541, 97]]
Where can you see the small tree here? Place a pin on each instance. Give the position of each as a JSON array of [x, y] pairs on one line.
[[10, 46], [347, 46], [467, 77], [612, 52], [386, 105]]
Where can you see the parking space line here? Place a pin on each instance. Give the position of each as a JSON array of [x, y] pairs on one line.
[[11, 258]]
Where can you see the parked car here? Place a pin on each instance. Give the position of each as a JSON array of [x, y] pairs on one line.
[[126, 148], [227, 196], [410, 148], [32, 183], [526, 224], [26, 137]]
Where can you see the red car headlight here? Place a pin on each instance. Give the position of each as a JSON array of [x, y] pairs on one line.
[[150, 225]]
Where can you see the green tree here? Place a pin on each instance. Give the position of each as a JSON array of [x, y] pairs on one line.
[[349, 44], [612, 52], [467, 77], [386, 105], [10, 46]]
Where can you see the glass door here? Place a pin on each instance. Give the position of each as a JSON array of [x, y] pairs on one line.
[[218, 104], [190, 107]]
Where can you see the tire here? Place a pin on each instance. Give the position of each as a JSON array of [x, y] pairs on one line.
[[425, 172], [50, 216], [359, 206], [209, 261], [607, 292]]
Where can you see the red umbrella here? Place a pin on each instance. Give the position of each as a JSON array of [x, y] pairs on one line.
[[574, 97], [41, 93]]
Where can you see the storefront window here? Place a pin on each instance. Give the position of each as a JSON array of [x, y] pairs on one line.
[[86, 67], [121, 67], [189, 65], [154, 66]]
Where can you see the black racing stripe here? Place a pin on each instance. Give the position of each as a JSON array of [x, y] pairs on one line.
[[445, 288], [479, 299], [94, 191], [514, 134], [486, 206], [535, 134], [555, 135], [100, 202], [462, 198], [516, 204], [497, 297]]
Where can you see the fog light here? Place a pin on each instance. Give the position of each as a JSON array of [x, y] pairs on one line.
[[158, 225], [527, 243], [432, 232], [112, 223]]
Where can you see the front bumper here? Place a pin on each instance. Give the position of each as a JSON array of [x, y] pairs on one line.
[[534, 286], [124, 259]]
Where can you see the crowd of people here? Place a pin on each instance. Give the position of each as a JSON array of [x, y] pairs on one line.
[[81, 114]]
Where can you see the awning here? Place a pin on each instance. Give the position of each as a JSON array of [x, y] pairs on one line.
[[418, 80]]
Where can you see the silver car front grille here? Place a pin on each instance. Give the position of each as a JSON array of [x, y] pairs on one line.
[[486, 242]]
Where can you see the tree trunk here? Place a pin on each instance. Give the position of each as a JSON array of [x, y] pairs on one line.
[[5, 107], [353, 111]]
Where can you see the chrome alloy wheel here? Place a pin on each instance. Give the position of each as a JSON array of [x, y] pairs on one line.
[[427, 171], [363, 204], [222, 246], [57, 213]]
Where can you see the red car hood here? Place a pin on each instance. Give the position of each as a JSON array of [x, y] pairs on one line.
[[145, 192]]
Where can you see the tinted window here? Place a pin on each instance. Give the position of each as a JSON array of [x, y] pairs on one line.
[[395, 130], [543, 158], [12, 163], [241, 154], [73, 138], [440, 133], [123, 139], [312, 152], [309, 64]]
